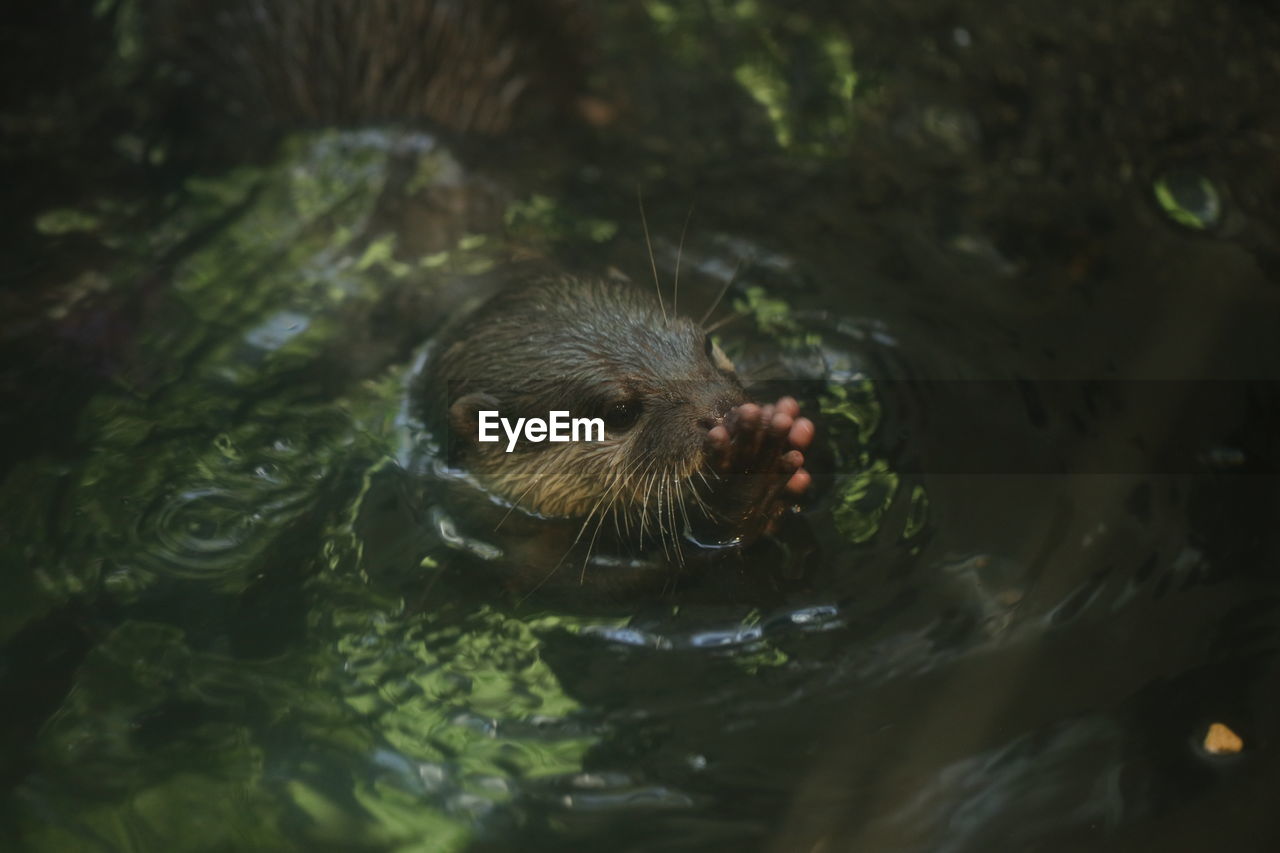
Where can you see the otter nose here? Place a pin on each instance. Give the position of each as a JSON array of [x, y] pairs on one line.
[[712, 406]]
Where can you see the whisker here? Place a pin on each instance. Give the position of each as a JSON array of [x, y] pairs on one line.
[[725, 321], [617, 493], [698, 499], [662, 538], [684, 513], [733, 276], [772, 369], [665, 513], [675, 287], [617, 525], [652, 262], [648, 478], [677, 532], [516, 503], [582, 576], [572, 545]]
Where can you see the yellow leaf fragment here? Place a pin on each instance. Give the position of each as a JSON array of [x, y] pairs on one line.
[[1220, 740]]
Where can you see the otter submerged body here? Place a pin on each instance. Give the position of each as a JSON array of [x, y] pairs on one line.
[[476, 67]]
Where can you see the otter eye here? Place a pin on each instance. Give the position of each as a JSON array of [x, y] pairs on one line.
[[622, 416]]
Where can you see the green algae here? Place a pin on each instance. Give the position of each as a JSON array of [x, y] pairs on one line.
[[773, 47], [201, 466], [539, 218]]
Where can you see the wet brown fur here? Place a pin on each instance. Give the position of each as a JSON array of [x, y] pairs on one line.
[[585, 345], [468, 65]]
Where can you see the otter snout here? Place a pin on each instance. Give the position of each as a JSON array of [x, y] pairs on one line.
[[713, 408]]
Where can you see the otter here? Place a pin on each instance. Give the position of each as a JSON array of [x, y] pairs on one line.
[[688, 462], [475, 67]]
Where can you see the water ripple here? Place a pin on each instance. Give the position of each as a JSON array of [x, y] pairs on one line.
[[207, 530]]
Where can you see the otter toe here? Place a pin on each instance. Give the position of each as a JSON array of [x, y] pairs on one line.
[[799, 482], [788, 405], [801, 433]]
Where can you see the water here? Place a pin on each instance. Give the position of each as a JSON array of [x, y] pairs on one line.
[[1037, 565]]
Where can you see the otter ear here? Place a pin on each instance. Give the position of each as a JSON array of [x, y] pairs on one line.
[[464, 415]]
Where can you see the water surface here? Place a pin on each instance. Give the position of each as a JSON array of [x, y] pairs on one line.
[[1036, 324]]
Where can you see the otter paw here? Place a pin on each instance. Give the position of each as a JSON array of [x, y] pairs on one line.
[[767, 442]]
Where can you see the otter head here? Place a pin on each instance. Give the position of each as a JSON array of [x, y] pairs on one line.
[[597, 350]]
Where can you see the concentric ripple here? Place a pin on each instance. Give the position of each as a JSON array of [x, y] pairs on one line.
[[212, 530]]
